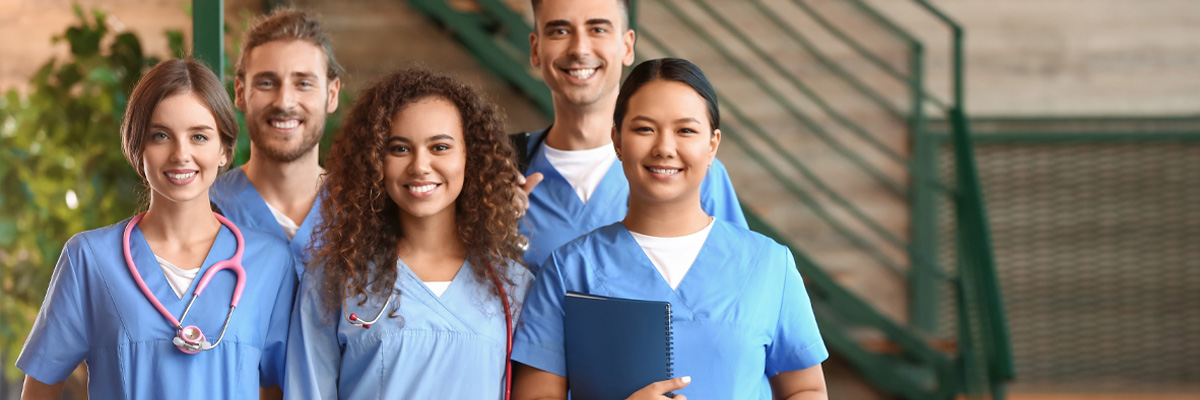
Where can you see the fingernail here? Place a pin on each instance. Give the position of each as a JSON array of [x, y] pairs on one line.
[[687, 379]]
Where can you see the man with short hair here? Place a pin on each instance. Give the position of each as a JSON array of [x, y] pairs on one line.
[[575, 181], [287, 83]]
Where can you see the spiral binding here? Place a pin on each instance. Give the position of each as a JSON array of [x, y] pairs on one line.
[[670, 345]]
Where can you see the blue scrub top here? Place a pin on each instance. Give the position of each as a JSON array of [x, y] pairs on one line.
[[240, 202], [739, 316], [448, 347], [95, 312], [556, 214]]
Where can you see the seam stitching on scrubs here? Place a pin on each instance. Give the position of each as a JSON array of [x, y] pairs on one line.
[[104, 280]]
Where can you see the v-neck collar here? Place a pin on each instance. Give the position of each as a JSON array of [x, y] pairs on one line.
[[265, 220], [455, 282], [448, 304], [641, 269], [610, 188], [152, 274]]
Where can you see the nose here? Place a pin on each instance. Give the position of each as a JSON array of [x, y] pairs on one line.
[[664, 145], [181, 152], [420, 164], [287, 98], [580, 46]]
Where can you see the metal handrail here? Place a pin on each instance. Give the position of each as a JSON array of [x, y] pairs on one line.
[[849, 41], [817, 129], [825, 60], [807, 91], [760, 159]]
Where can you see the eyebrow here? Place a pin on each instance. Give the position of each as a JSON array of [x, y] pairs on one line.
[[265, 74], [192, 128], [435, 138], [558, 23], [304, 75], [599, 21], [273, 75], [652, 120]]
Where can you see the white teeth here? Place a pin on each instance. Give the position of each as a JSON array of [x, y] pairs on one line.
[[422, 189], [285, 124], [664, 171], [582, 73], [180, 177]]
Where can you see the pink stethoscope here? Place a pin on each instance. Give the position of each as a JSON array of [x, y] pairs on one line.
[[508, 326], [190, 339]]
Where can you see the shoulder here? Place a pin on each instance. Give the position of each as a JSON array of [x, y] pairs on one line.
[[263, 241], [602, 237], [519, 274], [265, 247], [84, 243], [229, 184], [750, 242]]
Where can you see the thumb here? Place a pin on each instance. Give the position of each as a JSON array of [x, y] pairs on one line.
[[532, 181], [673, 384]]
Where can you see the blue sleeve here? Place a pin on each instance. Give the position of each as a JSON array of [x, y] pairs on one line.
[[797, 342], [538, 341], [271, 367], [313, 351], [59, 339], [718, 198]]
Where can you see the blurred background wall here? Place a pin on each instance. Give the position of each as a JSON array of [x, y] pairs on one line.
[[1086, 115]]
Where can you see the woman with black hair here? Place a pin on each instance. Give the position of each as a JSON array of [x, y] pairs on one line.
[[742, 323]]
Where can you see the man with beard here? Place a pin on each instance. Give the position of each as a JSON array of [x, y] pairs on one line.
[[575, 182], [287, 83]]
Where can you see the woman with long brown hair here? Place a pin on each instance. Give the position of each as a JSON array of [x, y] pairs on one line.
[[412, 290], [132, 299]]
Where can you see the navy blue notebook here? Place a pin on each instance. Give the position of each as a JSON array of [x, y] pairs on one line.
[[615, 346]]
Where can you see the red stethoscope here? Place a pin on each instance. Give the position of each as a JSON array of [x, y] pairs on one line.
[[508, 327], [190, 339]]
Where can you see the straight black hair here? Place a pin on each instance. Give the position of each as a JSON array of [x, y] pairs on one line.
[[671, 69]]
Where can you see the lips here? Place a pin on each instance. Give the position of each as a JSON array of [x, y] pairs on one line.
[[284, 124], [181, 177], [422, 189], [664, 170], [581, 73]]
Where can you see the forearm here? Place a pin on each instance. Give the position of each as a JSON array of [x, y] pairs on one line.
[[809, 395], [37, 390]]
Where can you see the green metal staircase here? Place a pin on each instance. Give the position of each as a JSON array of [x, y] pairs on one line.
[[844, 137]]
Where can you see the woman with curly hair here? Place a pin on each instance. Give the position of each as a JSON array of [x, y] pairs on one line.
[[412, 290]]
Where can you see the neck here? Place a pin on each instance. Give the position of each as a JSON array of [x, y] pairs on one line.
[[292, 186], [581, 128], [179, 222], [666, 218], [431, 241]]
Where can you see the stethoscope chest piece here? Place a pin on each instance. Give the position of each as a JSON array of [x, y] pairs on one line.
[[189, 339]]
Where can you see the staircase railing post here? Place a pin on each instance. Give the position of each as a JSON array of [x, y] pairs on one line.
[[208, 34]]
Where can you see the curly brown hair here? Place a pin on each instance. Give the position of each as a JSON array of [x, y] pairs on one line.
[[361, 222]]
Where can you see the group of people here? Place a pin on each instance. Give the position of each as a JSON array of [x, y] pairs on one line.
[[429, 257]]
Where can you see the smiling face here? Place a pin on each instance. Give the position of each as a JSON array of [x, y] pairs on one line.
[[426, 158], [183, 153], [581, 46], [286, 96], [666, 143]]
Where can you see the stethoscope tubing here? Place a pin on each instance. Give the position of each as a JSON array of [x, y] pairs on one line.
[[234, 264]]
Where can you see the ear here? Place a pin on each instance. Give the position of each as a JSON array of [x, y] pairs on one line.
[[224, 158], [239, 99], [630, 38], [533, 50], [335, 86], [616, 141], [715, 142]]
